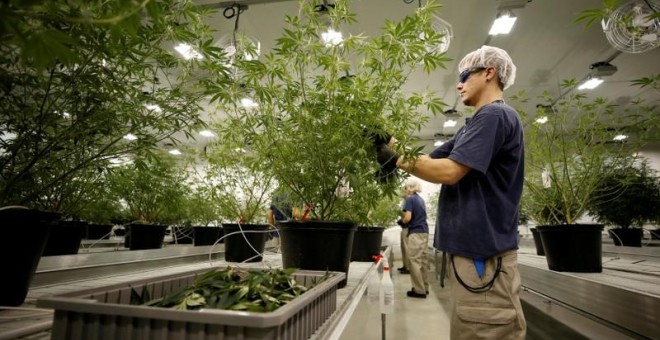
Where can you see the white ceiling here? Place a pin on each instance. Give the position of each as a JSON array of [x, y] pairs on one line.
[[545, 44]]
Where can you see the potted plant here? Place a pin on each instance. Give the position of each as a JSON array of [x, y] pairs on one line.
[[382, 214], [317, 104], [627, 198], [569, 149], [151, 189], [78, 79], [242, 191], [100, 208], [202, 215], [68, 199]]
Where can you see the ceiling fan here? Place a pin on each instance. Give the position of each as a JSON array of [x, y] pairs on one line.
[[633, 27]]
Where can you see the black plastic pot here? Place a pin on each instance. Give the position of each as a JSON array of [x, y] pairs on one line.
[[182, 235], [28, 231], [317, 245], [573, 247], [98, 231], [237, 248], [206, 236], [144, 236], [366, 243], [629, 237], [655, 234], [537, 242], [64, 238]]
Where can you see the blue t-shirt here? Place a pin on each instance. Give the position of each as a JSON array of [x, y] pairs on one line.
[[415, 205], [281, 207], [478, 216]]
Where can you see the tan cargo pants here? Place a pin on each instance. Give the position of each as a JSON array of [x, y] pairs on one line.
[[419, 261], [492, 314], [404, 248]]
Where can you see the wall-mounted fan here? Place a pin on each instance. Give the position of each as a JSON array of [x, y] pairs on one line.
[[443, 28], [633, 27]]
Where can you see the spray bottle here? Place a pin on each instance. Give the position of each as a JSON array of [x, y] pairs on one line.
[[373, 285], [386, 290]]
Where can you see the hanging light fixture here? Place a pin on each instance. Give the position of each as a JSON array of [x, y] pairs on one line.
[[598, 70], [186, 51], [590, 84], [503, 24], [331, 36], [505, 20], [236, 44]]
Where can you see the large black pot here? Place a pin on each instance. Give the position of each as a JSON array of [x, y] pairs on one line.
[[573, 247], [537, 242], [144, 236], [64, 238], [98, 231], [655, 234], [206, 236], [182, 235], [27, 230], [247, 246], [630, 237], [317, 245], [366, 243]]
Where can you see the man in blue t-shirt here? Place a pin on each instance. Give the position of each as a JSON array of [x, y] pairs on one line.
[[481, 169]]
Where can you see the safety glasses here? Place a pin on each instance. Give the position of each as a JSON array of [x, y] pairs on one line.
[[465, 75]]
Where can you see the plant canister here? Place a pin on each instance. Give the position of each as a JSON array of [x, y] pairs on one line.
[[630, 237], [655, 234], [366, 243], [573, 247], [246, 246], [144, 236], [98, 231], [28, 230], [64, 238], [206, 236], [182, 235], [317, 245], [537, 242]]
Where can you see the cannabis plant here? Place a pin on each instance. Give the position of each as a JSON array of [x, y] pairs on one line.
[[85, 83], [318, 102], [239, 182], [627, 196], [152, 191], [570, 147]]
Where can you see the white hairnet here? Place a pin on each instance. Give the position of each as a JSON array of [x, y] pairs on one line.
[[489, 56]]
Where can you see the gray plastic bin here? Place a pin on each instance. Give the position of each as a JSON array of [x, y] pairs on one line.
[[105, 313]]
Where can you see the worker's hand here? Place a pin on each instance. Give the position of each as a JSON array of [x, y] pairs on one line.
[[377, 136], [386, 158], [379, 140]]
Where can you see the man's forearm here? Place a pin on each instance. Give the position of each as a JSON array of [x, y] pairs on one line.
[[441, 171]]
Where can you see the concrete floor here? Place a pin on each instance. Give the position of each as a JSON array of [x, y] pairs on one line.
[[413, 318]]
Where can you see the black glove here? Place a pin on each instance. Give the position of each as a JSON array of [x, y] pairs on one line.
[[386, 158], [377, 136], [400, 222]]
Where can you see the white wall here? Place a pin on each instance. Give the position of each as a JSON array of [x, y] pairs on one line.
[[652, 153]]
